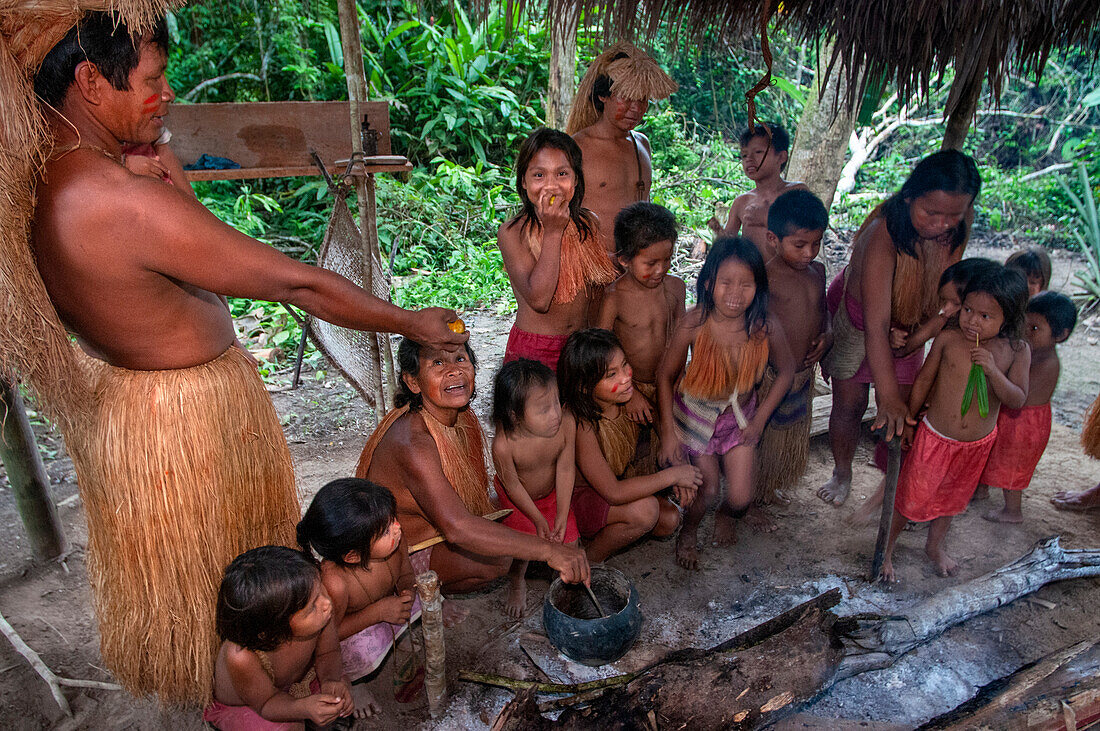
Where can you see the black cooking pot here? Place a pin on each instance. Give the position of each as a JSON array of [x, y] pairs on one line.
[[574, 626]]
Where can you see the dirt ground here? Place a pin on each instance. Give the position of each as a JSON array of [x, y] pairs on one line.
[[812, 551]]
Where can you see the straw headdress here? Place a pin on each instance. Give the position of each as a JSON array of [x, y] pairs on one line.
[[637, 76], [33, 343]]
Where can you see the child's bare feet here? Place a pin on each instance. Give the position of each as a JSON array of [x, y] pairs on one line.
[[759, 520], [865, 514], [725, 528], [365, 704], [1003, 516], [982, 493], [836, 490], [516, 604], [687, 552], [945, 565]]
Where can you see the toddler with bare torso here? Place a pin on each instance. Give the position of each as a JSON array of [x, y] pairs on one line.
[[533, 453]]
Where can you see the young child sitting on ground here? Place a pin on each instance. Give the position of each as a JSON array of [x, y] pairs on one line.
[[1034, 263], [352, 527], [615, 496], [763, 158], [279, 662], [1022, 434], [796, 287], [711, 416], [533, 450], [643, 305], [949, 451], [551, 250]]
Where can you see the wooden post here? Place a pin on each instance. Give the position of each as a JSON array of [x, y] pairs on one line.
[[435, 656], [563, 16], [965, 94], [27, 476], [357, 93]]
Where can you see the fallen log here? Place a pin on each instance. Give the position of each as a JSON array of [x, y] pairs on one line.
[[771, 670], [1059, 691]]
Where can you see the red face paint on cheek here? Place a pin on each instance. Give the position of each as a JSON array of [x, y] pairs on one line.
[[615, 388], [151, 104]]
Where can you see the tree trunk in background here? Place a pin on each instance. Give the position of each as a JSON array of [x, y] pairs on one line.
[[27, 477], [821, 140], [958, 123], [563, 62]]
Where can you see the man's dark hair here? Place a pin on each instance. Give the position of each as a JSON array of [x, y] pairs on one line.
[[511, 388], [797, 210], [640, 225], [261, 590], [1058, 310], [781, 141], [103, 40]]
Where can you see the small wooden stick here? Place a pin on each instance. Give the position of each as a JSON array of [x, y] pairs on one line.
[[501, 681], [890, 491], [36, 662]]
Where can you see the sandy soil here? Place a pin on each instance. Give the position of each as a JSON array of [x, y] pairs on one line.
[[326, 424]]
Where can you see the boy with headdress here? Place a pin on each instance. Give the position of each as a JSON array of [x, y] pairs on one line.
[[611, 101]]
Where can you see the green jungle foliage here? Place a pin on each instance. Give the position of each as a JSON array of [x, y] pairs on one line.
[[463, 94]]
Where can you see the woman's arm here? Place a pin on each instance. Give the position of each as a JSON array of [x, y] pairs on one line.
[[418, 459], [876, 281]]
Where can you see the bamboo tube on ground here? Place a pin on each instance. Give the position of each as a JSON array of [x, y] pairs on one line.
[[435, 660]]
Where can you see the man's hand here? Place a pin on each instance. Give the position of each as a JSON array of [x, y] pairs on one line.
[[638, 409], [150, 167], [396, 609], [429, 327], [571, 563]]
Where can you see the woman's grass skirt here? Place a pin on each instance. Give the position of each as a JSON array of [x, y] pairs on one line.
[[1090, 435], [180, 471]]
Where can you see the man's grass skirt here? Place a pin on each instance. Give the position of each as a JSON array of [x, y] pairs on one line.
[[180, 471]]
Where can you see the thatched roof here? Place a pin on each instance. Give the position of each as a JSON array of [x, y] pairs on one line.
[[908, 41]]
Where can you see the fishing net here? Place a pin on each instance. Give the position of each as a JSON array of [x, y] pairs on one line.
[[352, 352]]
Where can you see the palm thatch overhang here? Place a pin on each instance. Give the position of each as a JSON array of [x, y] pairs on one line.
[[34, 346], [910, 42]]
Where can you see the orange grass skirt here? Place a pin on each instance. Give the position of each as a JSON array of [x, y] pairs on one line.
[[180, 471]]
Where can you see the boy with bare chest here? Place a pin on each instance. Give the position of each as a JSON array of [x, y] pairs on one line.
[[764, 151], [796, 222], [952, 443], [533, 450], [643, 305]]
